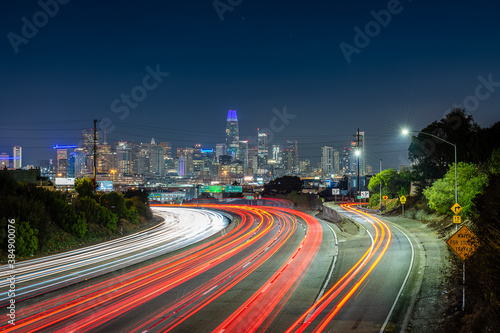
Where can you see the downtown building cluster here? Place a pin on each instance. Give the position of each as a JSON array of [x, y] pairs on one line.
[[157, 163], [338, 162], [233, 161]]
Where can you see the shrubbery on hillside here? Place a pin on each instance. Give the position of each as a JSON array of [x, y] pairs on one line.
[[46, 219]]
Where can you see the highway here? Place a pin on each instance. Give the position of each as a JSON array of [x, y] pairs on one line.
[[274, 269], [181, 227]]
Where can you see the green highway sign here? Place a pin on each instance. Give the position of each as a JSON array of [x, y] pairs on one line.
[[210, 189], [233, 189]]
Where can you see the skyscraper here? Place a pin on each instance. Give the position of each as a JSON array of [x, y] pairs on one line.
[[18, 157], [185, 160], [220, 149], [263, 148], [232, 134], [327, 160], [157, 159], [253, 159], [167, 149], [336, 162], [291, 157], [77, 163], [142, 159], [243, 153], [62, 162], [277, 154], [346, 161], [123, 158]]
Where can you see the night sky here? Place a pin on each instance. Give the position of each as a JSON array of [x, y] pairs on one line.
[[251, 56]]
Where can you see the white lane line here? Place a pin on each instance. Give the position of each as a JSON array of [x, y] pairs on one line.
[[85, 257], [404, 282], [332, 268]]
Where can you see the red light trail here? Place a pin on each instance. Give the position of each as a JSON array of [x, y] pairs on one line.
[[211, 270]]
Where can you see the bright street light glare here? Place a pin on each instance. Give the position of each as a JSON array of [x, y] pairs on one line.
[[405, 132], [357, 153]]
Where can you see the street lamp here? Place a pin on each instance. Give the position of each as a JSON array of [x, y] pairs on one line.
[[357, 153], [113, 172], [405, 132]]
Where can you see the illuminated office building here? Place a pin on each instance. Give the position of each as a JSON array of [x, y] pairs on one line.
[[18, 157], [232, 134]]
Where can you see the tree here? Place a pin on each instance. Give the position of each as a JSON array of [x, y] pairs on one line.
[[85, 187], [26, 240], [471, 181], [284, 185], [482, 143], [431, 156], [494, 162], [74, 222], [394, 184], [143, 195], [97, 214], [142, 208], [115, 202]]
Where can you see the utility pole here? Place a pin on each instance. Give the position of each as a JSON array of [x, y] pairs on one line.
[[95, 151], [357, 162]]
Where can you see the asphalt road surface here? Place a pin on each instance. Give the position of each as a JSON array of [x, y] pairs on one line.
[[273, 269]]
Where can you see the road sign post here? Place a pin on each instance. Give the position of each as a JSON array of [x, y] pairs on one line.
[[403, 201], [365, 195], [385, 197], [335, 192], [456, 208], [464, 242]]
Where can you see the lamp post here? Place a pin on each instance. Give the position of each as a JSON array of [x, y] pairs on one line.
[[405, 132], [380, 183], [357, 153]]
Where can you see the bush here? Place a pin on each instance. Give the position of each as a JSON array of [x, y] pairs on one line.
[[374, 200], [85, 187], [394, 183], [142, 208], [97, 214], [471, 181], [74, 222], [26, 240]]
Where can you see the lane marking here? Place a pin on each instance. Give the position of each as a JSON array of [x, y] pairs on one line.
[[382, 329]]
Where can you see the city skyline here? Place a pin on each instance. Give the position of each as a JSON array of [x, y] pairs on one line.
[[85, 140], [234, 160]]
